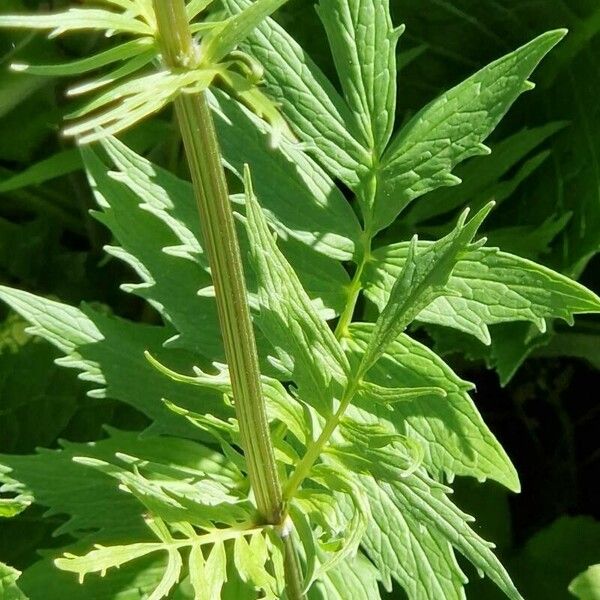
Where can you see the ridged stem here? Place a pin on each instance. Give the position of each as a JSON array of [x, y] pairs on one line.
[[222, 249]]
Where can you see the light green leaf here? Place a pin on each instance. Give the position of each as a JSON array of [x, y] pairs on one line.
[[486, 287], [451, 431], [224, 38], [174, 268], [195, 7], [280, 405], [76, 19], [251, 559], [103, 558], [586, 586], [452, 128], [172, 494], [125, 68], [137, 99], [422, 503], [89, 63], [304, 342], [308, 99], [110, 352], [353, 579], [418, 557], [422, 279], [208, 576], [9, 589], [371, 392], [363, 42], [480, 174], [133, 581], [300, 200]]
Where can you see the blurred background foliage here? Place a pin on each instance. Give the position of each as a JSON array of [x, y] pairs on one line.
[[538, 392]]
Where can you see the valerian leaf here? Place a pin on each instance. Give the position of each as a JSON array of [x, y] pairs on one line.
[[309, 100], [77, 19], [422, 280], [304, 342], [251, 559], [208, 575], [486, 287], [450, 429], [419, 558], [353, 579], [452, 128], [119, 53], [9, 588], [481, 174], [224, 38], [417, 503], [363, 42], [108, 350]]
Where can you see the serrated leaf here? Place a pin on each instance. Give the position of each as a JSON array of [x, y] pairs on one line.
[[480, 174], [418, 557], [309, 100], [352, 579], [452, 128], [134, 581], [103, 558], [363, 42], [142, 202], [226, 37], [251, 562], [451, 431], [76, 19], [312, 210], [304, 342], [208, 576], [421, 502], [423, 278], [110, 353], [9, 588], [486, 287]]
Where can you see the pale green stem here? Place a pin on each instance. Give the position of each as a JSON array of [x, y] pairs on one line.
[[222, 249], [341, 329], [315, 449]]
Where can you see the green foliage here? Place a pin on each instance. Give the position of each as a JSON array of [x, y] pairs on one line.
[[586, 586], [369, 426], [9, 589]]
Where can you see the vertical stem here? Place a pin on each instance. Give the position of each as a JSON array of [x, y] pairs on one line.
[[292, 569], [222, 249]]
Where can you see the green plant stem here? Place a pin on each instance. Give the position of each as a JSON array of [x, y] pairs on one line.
[[341, 329], [222, 248], [292, 570], [315, 449], [368, 193]]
